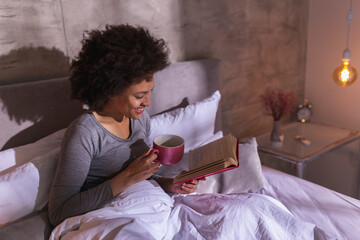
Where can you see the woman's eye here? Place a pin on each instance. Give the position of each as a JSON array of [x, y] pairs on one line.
[[139, 97]]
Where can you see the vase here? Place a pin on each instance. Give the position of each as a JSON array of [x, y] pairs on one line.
[[276, 135]]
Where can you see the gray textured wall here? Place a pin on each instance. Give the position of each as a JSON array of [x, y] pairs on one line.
[[261, 43]]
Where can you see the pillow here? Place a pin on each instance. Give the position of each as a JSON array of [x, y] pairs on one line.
[[247, 177], [194, 123], [17, 156], [26, 188]]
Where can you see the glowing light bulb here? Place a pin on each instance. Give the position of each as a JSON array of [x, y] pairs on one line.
[[345, 74]]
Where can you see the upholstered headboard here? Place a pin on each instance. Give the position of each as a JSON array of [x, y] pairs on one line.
[[30, 111], [183, 82]]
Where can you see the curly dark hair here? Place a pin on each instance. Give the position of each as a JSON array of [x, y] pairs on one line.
[[113, 59]]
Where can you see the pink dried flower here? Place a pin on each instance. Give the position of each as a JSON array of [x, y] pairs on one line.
[[276, 103]]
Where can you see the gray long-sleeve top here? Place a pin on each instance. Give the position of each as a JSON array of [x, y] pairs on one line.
[[89, 157]]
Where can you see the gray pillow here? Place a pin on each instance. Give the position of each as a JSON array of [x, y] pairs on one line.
[[247, 177]]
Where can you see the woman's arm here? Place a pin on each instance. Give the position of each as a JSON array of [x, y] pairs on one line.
[[139, 170], [66, 196]]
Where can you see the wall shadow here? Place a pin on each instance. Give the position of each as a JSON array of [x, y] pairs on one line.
[[28, 64], [45, 103]]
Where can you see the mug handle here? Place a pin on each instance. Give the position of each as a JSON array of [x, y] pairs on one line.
[[154, 151]]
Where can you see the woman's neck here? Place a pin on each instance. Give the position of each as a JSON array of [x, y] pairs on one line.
[[117, 125], [106, 117]]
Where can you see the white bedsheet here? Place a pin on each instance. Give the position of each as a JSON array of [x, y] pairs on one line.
[[145, 211], [335, 213]]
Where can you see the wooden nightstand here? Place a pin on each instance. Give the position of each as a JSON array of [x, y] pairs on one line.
[[323, 139]]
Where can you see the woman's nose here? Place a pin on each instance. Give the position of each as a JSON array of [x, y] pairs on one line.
[[147, 100]]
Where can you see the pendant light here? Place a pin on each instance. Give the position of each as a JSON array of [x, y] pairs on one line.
[[345, 74]]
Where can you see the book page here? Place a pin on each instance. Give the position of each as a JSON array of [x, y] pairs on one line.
[[219, 149]]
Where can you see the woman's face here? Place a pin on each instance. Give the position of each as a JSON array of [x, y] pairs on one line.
[[132, 102]]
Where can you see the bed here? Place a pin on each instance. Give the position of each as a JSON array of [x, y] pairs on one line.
[[250, 202]]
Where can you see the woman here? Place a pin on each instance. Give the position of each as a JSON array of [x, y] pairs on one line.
[[103, 151]]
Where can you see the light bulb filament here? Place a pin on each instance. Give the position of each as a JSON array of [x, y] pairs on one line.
[[345, 74]]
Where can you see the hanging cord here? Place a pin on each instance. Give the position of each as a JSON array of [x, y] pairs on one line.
[[346, 53], [349, 20]]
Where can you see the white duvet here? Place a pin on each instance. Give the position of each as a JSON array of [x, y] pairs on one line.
[[145, 211]]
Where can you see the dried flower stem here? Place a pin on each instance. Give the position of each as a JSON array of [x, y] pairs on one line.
[[276, 103]]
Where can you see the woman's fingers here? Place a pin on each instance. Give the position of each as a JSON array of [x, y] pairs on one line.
[[149, 159], [152, 160], [145, 165], [190, 186], [150, 156], [196, 181], [191, 182]]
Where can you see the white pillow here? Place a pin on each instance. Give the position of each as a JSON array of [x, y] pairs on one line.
[[26, 188], [194, 123], [17, 156], [247, 177]]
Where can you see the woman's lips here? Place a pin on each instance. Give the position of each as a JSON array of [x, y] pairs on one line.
[[139, 110]]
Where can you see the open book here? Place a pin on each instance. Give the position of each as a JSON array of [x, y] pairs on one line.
[[215, 157]]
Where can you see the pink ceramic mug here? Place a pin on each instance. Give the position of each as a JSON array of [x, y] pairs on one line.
[[169, 148]]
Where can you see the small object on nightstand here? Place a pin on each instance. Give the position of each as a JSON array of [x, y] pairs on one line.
[[303, 140], [304, 112]]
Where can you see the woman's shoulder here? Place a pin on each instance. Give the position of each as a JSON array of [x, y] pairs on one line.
[[84, 123], [84, 119]]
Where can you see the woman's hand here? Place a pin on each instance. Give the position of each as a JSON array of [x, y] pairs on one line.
[[139, 170], [183, 188]]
